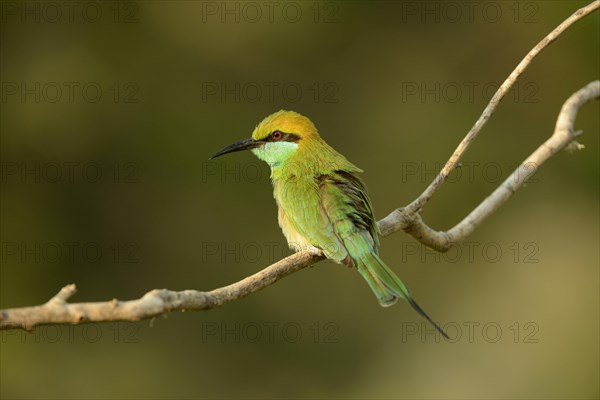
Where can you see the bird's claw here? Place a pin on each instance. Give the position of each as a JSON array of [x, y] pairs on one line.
[[315, 251]]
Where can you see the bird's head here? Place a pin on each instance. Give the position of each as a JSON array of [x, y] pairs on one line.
[[277, 138]]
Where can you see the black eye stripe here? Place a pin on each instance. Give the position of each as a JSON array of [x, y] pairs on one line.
[[290, 137], [287, 137]]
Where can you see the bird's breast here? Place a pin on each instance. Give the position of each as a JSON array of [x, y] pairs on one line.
[[298, 209]]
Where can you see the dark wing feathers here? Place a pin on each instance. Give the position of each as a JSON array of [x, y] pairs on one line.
[[360, 211]]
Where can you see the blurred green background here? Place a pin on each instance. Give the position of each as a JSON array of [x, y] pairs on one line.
[[111, 110]]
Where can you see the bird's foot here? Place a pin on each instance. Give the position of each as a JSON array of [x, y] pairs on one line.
[[315, 251]]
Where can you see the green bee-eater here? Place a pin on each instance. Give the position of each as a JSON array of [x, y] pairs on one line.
[[322, 203]]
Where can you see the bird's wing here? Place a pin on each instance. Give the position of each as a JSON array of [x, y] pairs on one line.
[[347, 212], [345, 203]]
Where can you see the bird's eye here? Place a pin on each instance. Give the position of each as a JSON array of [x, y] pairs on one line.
[[277, 135]]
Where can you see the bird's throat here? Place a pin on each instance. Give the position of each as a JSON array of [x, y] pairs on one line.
[[276, 153]]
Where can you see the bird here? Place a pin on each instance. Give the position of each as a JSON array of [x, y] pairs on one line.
[[323, 205]]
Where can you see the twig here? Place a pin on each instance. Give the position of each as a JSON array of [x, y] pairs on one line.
[[451, 164], [413, 224]]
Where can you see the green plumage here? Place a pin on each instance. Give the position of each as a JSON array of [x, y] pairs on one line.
[[322, 203]]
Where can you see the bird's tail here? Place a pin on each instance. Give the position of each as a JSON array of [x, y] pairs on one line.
[[387, 286]]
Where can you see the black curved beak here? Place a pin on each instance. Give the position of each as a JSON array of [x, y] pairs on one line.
[[245, 144]]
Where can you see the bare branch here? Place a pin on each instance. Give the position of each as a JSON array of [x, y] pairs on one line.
[[160, 301], [153, 303], [451, 164], [563, 135]]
